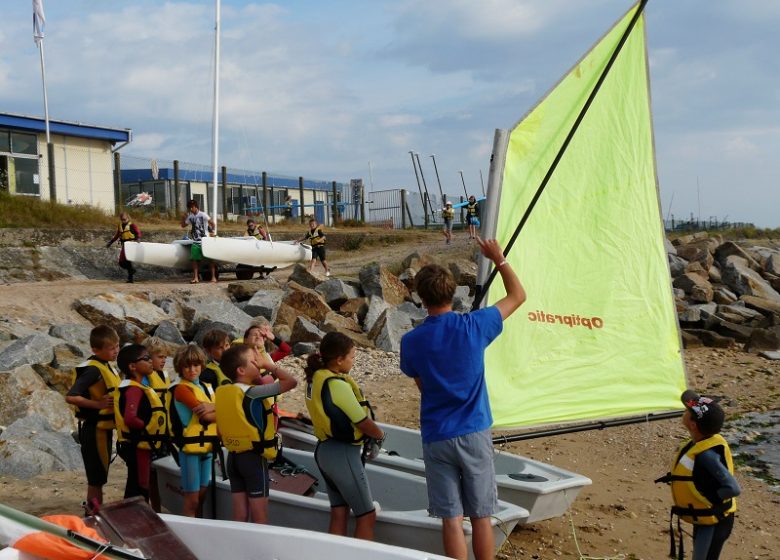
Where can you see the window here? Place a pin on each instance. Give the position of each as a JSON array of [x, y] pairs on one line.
[[5, 141], [27, 178], [24, 143]]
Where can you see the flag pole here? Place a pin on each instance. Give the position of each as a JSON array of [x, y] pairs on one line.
[[215, 121], [38, 36]]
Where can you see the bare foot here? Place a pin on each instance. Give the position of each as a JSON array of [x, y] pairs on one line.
[[213, 280], [194, 281]]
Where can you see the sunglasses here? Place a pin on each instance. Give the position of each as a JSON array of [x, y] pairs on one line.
[[146, 358]]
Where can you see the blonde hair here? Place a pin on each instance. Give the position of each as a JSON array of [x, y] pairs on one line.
[[156, 345]]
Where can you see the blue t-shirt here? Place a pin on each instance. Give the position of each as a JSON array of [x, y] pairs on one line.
[[447, 353]]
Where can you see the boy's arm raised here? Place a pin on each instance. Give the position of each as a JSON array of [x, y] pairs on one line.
[[515, 293]]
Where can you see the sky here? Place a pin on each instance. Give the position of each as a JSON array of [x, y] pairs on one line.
[[342, 89]]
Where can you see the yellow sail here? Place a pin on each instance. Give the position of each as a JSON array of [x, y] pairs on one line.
[[598, 336]]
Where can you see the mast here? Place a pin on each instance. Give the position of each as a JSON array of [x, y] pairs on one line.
[[39, 19], [215, 121], [441, 192]]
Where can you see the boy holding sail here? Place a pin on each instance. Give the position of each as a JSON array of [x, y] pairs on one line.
[[455, 417]]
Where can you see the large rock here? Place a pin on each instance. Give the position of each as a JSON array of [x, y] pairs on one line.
[[376, 306], [762, 340], [75, 336], [465, 273], [306, 301], [245, 289], [23, 392], [34, 349], [708, 338], [116, 308], [676, 265], [305, 331], [377, 280], [206, 326], [357, 308], [695, 286], [389, 328], [169, 332], [738, 276], [30, 447], [418, 314], [461, 301], [216, 311], [766, 307], [335, 322], [302, 276], [264, 304], [416, 261], [336, 292]]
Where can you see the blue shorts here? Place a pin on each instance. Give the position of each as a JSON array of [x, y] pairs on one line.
[[473, 221], [195, 471], [461, 476]]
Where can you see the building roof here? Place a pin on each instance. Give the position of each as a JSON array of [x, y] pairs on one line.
[[65, 128]]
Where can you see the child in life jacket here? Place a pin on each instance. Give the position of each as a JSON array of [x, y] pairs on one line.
[[253, 229], [92, 393], [126, 231], [702, 480], [160, 381], [342, 421], [215, 342], [245, 420], [140, 419], [193, 427]]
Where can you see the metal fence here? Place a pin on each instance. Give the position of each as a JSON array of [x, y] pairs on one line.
[[400, 208]]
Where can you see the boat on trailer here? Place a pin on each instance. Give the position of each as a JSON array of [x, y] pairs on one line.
[[402, 501], [544, 490]]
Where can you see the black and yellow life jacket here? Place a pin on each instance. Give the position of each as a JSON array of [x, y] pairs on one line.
[[222, 379], [107, 384], [235, 426], [472, 208], [160, 382], [126, 234], [688, 492], [328, 420], [315, 236], [195, 438], [448, 213], [151, 410]]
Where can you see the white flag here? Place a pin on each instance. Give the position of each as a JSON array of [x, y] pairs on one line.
[[39, 20]]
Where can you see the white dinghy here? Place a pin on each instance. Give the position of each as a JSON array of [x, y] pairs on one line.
[[544, 490], [255, 252], [170, 255], [402, 517]]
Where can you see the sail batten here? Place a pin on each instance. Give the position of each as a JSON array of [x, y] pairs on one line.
[[598, 336]]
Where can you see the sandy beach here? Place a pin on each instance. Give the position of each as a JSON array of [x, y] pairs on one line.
[[622, 515]]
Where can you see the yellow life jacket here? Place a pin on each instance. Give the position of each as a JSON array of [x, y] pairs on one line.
[[689, 502], [151, 410], [315, 236], [222, 379], [125, 231], [448, 213], [109, 381], [234, 422], [329, 422], [159, 381], [472, 209], [194, 438]]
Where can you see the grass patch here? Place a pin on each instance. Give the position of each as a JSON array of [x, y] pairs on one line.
[[30, 212]]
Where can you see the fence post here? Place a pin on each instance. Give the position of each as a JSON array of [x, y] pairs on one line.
[[363, 204], [403, 208], [241, 205], [224, 194], [265, 195], [117, 181], [300, 204], [176, 187], [335, 204]]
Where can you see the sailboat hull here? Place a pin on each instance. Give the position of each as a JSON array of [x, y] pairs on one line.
[[544, 490], [402, 518], [170, 255], [254, 252]]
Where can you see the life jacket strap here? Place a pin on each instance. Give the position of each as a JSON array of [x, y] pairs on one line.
[[668, 478]]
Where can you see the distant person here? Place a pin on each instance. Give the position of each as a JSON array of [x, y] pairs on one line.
[[200, 224], [126, 231], [342, 422], [245, 421], [472, 216], [449, 216], [253, 229], [316, 238], [192, 416], [288, 207], [455, 415], [92, 393], [702, 479], [140, 419]]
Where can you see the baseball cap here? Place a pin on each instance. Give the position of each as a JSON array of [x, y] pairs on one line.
[[707, 413], [448, 203]]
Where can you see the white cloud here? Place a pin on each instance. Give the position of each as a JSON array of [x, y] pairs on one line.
[[399, 120]]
